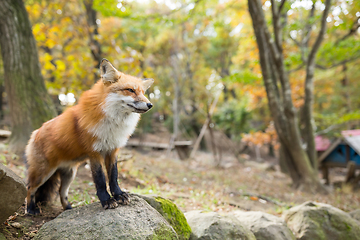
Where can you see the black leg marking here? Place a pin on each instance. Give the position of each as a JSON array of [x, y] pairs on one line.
[[68, 206], [120, 196], [100, 183], [32, 209]]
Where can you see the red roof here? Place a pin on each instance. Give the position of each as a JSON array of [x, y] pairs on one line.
[[350, 133], [322, 143], [349, 137]]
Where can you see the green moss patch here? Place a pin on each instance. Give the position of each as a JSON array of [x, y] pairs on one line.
[[171, 213]]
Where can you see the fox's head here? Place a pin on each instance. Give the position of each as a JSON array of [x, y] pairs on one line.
[[125, 92]]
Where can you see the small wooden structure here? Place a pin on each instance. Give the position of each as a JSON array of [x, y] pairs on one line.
[[181, 147], [342, 152]]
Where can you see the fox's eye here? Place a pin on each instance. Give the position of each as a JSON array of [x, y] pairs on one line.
[[130, 90]]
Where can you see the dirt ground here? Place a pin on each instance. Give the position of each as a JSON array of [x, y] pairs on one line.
[[191, 184]]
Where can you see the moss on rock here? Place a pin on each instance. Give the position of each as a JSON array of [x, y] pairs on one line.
[[321, 221], [162, 233], [171, 213]]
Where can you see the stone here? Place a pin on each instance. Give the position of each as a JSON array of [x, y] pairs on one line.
[[264, 226], [355, 214], [13, 192], [312, 220], [138, 220], [171, 213], [16, 225], [212, 226]]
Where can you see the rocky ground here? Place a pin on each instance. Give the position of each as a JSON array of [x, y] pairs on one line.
[[193, 185]]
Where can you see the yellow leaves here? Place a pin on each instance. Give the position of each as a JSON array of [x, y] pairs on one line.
[[39, 32], [47, 62], [50, 43], [60, 65], [55, 29], [70, 58], [34, 10]]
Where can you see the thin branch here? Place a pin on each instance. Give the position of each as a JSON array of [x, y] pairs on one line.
[[281, 5], [204, 127], [297, 68], [322, 67], [329, 129], [321, 34], [301, 46], [259, 196], [276, 25], [354, 27], [308, 27], [295, 41]]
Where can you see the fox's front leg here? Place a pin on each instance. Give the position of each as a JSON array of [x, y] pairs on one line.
[[112, 170], [100, 184]]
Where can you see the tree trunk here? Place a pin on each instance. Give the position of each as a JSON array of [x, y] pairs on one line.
[[278, 91], [29, 102], [309, 92], [176, 107], [95, 46], [2, 90]]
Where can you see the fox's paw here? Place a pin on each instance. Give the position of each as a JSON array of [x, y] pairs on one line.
[[123, 198], [68, 207], [33, 212], [110, 204]]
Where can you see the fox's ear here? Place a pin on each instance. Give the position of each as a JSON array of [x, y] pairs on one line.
[[108, 73], [147, 82]]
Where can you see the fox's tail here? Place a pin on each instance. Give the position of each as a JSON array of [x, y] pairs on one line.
[[48, 190]]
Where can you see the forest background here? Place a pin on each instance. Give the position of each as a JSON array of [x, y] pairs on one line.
[[204, 57]]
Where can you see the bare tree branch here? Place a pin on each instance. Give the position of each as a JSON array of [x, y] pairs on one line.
[[322, 67], [301, 47], [281, 5], [308, 27], [276, 25], [321, 34], [355, 26], [297, 68]]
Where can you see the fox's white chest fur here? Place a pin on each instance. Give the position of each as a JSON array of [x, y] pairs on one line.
[[114, 130]]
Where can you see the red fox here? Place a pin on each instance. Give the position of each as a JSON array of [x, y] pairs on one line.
[[95, 129]]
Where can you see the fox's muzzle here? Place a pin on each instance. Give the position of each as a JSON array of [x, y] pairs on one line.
[[140, 107]]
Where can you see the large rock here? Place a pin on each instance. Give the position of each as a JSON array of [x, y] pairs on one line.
[[138, 220], [355, 214], [264, 226], [171, 213], [13, 192], [212, 226], [320, 221]]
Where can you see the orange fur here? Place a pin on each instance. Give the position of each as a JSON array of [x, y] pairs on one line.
[[67, 140]]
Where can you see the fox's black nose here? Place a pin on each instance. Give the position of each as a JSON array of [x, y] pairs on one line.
[[149, 105]]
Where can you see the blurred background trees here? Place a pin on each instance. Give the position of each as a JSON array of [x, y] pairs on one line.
[[29, 103], [198, 50]]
